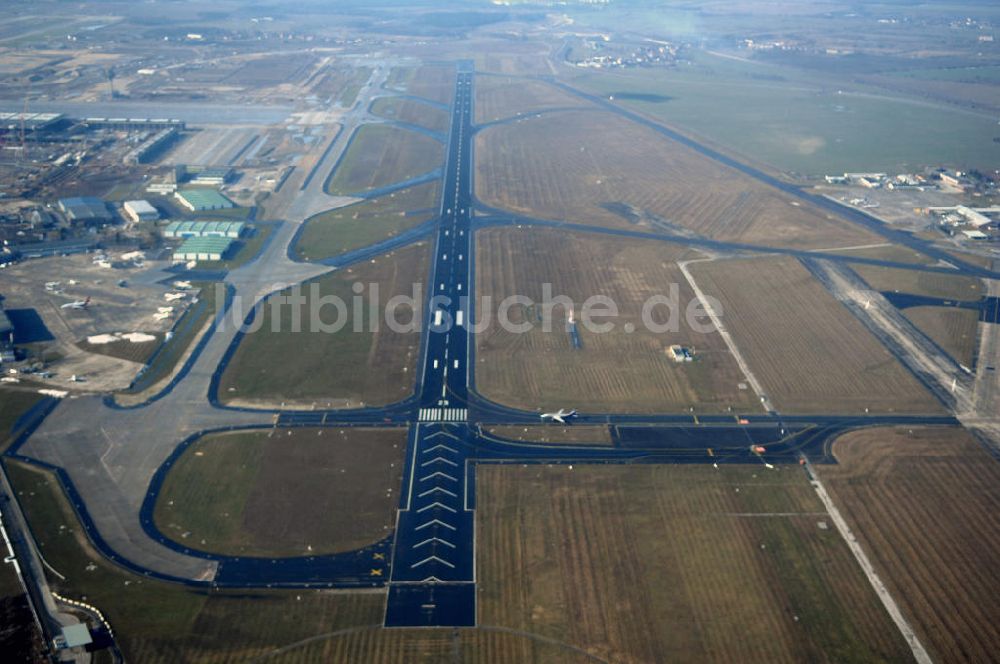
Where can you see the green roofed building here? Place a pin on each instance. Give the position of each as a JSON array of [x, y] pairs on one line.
[[198, 200], [203, 249], [230, 229]]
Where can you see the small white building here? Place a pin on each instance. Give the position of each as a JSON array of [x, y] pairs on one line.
[[975, 235], [140, 210]]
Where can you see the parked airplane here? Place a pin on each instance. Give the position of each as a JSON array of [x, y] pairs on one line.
[[78, 304], [170, 297], [559, 416]]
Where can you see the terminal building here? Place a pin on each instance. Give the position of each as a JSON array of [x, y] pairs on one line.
[[200, 200], [140, 211], [203, 249], [185, 229], [30, 122]]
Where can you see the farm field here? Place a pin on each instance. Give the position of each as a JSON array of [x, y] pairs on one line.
[[362, 367], [808, 351], [554, 434], [343, 229], [161, 623], [412, 112], [625, 175], [503, 97], [381, 155], [924, 504], [955, 330], [613, 371], [284, 492], [743, 569], [805, 123], [930, 284]]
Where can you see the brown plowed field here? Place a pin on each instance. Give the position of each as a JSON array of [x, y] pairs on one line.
[[613, 371], [674, 564], [597, 168], [504, 97], [432, 82], [806, 348], [955, 330], [925, 505]]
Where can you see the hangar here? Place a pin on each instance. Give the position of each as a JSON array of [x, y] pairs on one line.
[[230, 229], [203, 249], [198, 200]]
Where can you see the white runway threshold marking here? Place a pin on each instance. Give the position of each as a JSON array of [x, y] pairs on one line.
[[443, 415]]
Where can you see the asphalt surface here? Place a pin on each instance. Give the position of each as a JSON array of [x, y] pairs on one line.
[[113, 475]]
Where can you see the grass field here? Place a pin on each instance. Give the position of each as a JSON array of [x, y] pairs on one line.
[[673, 563], [160, 623], [924, 503], [284, 492], [615, 371], [14, 404], [888, 252], [805, 347], [800, 122], [554, 433], [358, 367], [503, 97], [337, 231], [955, 330], [413, 112], [380, 155], [974, 259], [930, 284], [600, 169]]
